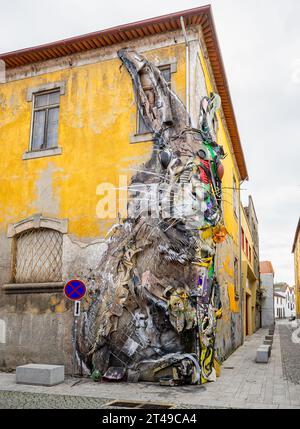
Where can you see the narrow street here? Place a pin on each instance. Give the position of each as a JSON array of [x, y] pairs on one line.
[[243, 384]]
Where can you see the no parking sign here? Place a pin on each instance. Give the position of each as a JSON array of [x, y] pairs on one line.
[[75, 290]]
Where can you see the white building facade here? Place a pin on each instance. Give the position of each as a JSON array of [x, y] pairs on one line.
[[290, 302], [279, 305], [267, 289], [284, 303]]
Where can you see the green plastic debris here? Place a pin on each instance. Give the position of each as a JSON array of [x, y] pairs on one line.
[[96, 376]]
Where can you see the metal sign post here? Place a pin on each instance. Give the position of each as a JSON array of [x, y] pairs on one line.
[[75, 290], [76, 316]]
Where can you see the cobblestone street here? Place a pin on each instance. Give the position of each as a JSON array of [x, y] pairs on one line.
[[290, 352], [243, 384], [25, 400]]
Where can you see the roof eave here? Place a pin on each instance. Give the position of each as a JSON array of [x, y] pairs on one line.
[[124, 27]]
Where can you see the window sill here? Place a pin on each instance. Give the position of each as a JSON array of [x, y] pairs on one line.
[[42, 153], [141, 138], [21, 288]]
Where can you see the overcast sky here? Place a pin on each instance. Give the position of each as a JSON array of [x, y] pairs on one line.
[[260, 42]]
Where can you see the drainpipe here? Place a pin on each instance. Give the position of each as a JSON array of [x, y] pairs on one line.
[[187, 70], [240, 257]]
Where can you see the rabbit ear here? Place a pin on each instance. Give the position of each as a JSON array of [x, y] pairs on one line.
[[161, 109], [208, 110]]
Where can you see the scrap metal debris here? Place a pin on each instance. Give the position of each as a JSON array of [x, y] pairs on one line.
[[154, 307]]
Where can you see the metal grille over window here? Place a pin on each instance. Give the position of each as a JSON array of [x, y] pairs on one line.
[[38, 256], [45, 121]]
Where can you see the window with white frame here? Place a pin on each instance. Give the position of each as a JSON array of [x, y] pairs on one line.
[[45, 118]]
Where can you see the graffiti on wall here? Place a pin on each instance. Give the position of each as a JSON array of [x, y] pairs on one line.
[[152, 312]]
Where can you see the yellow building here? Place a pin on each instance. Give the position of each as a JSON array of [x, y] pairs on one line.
[[296, 252], [68, 124], [250, 278]]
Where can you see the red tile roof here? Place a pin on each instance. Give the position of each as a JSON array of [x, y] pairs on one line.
[[266, 267]]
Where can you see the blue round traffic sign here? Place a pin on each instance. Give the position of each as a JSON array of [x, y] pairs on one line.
[[75, 290]]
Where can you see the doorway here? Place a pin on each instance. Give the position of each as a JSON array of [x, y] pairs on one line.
[[248, 315]]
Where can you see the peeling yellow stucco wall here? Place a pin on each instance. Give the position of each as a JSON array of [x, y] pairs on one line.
[[97, 118]]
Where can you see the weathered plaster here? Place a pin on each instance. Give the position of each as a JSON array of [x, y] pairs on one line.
[[80, 258], [229, 329], [2, 332], [197, 83], [47, 200]]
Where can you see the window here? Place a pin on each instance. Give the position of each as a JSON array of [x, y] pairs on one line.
[[250, 255], [38, 256], [235, 197], [141, 126], [247, 248], [45, 120]]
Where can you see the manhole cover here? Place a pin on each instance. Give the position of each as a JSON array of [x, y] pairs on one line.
[[139, 405]]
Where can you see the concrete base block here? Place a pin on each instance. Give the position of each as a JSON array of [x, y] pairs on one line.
[[263, 354], [268, 347], [268, 343], [40, 375]]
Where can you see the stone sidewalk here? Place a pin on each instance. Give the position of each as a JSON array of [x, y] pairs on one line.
[[243, 384]]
